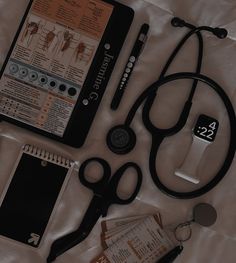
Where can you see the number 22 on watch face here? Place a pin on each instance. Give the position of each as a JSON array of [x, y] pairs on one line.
[[206, 128]]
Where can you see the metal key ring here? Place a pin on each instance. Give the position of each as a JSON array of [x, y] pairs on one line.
[[183, 225]]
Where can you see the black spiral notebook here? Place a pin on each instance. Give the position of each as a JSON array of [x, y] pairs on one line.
[[31, 195]]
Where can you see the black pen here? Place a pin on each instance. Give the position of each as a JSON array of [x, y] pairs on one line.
[[171, 256], [133, 57]]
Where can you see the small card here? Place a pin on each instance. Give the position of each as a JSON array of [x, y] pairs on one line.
[[115, 223], [134, 240]]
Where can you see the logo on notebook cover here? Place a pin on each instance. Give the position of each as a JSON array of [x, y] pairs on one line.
[[34, 239]]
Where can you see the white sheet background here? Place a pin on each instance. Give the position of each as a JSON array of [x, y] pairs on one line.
[[216, 244]]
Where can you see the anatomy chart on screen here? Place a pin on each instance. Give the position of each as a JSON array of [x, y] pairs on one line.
[[50, 61]]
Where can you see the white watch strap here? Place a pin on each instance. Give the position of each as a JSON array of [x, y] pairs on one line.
[[188, 170]]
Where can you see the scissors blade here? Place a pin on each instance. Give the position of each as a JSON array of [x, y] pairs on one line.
[[63, 244], [90, 219]]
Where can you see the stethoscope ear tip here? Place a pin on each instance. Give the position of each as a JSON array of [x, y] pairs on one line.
[[220, 32], [121, 139], [177, 22]]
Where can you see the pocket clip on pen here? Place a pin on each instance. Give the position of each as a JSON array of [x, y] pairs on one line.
[[133, 57]]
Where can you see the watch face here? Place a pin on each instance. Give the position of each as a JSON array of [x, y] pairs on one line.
[[206, 128]]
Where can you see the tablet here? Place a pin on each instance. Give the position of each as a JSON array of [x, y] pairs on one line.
[[59, 65]]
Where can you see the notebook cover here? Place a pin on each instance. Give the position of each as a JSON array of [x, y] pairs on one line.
[[30, 199]]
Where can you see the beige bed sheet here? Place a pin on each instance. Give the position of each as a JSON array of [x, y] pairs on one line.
[[216, 244]]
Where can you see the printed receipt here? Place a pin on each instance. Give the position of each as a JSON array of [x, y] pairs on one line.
[[50, 61], [145, 243]]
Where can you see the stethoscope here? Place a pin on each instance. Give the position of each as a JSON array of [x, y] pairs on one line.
[[121, 139]]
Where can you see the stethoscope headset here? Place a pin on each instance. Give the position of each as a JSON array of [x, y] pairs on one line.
[[121, 139]]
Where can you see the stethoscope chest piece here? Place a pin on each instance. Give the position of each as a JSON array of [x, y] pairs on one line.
[[121, 139]]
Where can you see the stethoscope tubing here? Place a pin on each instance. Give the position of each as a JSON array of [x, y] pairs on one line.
[[147, 92], [158, 137]]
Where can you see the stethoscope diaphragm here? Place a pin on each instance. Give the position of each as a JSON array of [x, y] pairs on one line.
[[121, 139]]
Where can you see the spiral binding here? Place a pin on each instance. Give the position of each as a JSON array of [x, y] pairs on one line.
[[47, 156]]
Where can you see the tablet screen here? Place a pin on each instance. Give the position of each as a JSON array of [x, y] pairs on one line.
[[51, 58]]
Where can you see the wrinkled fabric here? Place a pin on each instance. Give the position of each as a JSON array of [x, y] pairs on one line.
[[215, 244]]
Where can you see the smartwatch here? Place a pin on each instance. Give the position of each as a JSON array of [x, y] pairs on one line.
[[204, 134]]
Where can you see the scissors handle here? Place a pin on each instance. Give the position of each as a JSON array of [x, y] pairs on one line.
[[98, 186], [112, 188]]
